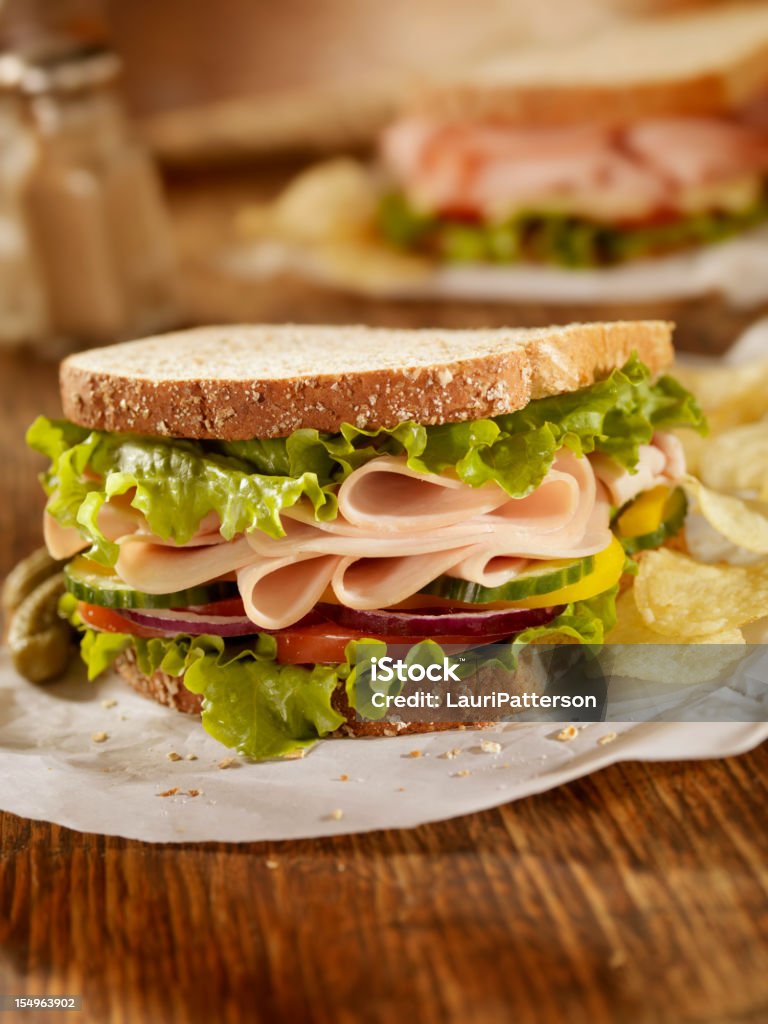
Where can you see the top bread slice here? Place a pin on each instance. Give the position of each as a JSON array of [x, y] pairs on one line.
[[705, 63], [242, 382]]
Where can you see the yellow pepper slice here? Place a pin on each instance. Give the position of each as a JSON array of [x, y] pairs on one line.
[[645, 514], [609, 565]]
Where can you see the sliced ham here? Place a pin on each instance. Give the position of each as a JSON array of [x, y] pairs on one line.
[[635, 173], [62, 541], [506, 557], [674, 453], [387, 495], [160, 569], [115, 519], [366, 583], [396, 532], [566, 516], [662, 462], [304, 538], [277, 592], [696, 151]]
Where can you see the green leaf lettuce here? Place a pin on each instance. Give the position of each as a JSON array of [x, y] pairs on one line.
[[262, 709], [176, 483]]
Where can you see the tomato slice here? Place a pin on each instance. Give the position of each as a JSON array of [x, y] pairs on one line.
[[325, 643], [108, 621], [318, 644], [312, 645], [227, 606]]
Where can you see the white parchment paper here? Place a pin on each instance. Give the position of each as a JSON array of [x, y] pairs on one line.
[[52, 768]]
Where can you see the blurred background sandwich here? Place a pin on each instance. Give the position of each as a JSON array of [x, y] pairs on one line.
[[618, 173], [486, 164]]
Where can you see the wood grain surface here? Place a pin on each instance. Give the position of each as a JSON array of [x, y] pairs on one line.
[[637, 895]]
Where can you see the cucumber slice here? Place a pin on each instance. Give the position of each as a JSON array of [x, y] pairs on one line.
[[673, 517], [95, 584], [550, 576]]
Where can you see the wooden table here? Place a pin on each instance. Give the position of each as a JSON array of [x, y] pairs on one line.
[[637, 895]]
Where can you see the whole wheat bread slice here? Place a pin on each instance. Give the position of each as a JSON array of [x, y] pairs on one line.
[[241, 382], [697, 63], [171, 692]]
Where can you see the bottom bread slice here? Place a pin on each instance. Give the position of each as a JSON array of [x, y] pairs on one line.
[[171, 691]]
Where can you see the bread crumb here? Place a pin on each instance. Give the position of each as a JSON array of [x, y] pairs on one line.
[[415, 753], [191, 757], [400, 789], [107, 704], [336, 814], [462, 773], [194, 792], [450, 754], [170, 792], [608, 738], [568, 733], [344, 777], [490, 747], [228, 762], [173, 756], [272, 864], [100, 737]]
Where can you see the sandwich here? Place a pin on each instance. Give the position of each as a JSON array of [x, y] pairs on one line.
[[241, 507], [622, 176], [645, 140]]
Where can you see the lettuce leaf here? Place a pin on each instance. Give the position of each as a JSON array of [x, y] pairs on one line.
[[263, 709], [555, 238], [251, 704], [176, 483], [585, 622]]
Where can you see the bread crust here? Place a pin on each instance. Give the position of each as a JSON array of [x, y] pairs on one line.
[[171, 692], [217, 383], [695, 64], [520, 106]]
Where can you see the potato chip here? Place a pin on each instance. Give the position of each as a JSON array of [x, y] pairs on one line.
[[729, 395], [324, 221], [679, 597], [332, 200], [368, 266], [737, 460], [704, 543], [631, 628], [635, 651], [743, 523]]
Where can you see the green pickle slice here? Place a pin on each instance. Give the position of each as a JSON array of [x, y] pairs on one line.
[[551, 576], [94, 584]]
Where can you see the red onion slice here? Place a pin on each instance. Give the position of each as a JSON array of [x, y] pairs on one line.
[[437, 623], [490, 624], [187, 622]]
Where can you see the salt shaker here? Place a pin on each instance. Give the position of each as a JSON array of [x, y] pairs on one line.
[[22, 307], [97, 218]]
